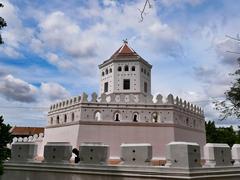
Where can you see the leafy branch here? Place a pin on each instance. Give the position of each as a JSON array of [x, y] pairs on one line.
[[2, 24]]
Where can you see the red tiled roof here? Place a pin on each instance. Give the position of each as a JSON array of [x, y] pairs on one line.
[[125, 51], [26, 130]]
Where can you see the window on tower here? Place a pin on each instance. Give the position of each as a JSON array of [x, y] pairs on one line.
[[106, 87], [126, 68], [145, 87], [58, 121], [106, 71], [72, 116], [102, 73], [126, 84], [65, 118], [133, 68], [119, 68]]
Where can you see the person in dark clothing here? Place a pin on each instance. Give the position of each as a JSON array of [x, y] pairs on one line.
[[76, 152]]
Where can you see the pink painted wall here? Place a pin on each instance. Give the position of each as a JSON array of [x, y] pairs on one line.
[[61, 134], [190, 135], [114, 134]]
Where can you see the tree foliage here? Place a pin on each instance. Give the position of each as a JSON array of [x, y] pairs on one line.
[[5, 138], [221, 135], [231, 105], [2, 24]]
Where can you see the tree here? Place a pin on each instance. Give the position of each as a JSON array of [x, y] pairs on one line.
[[211, 132], [2, 24], [221, 135], [231, 105], [5, 138]]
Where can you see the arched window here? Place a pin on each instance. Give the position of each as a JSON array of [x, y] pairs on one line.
[[102, 73], [135, 117], [187, 121], [98, 116], [126, 68], [117, 117], [155, 117], [144, 71], [58, 120], [51, 120], [110, 70], [106, 71], [133, 68], [72, 116], [119, 68], [65, 118]]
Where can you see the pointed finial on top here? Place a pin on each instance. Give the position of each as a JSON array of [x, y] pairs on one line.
[[125, 41]]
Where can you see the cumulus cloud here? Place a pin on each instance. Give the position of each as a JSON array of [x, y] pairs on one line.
[[17, 90], [226, 49], [15, 34], [53, 91], [60, 33], [213, 76]]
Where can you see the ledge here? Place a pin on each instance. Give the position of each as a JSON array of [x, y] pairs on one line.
[[135, 124], [117, 171]]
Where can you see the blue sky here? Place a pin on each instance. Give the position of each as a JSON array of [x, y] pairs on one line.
[[52, 50]]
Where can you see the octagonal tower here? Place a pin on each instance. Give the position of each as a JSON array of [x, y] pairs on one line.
[[125, 72]]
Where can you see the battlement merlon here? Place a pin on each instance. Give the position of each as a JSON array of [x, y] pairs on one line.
[[128, 99]]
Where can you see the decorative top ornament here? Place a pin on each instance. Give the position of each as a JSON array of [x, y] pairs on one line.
[[125, 41]]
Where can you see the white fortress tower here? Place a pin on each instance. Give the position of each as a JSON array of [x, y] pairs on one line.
[[125, 111], [125, 72]]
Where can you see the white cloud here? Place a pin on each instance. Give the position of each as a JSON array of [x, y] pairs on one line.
[[15, 34], [224, 47], [15, 89], [53, 91], [180, 3], [18, 90]]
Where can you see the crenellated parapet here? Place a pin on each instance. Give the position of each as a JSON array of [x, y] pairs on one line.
[[127, 108], [188, 106], [74, 101], [127, 99]]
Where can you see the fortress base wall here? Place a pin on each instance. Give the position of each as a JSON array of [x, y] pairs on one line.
[[61, 134], [189, 135], [116, 133]]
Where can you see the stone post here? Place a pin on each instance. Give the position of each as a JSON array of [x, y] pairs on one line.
[[93, 153], [136, 154], [23, 151], [57, 152], [217, 155], [183, 155]]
